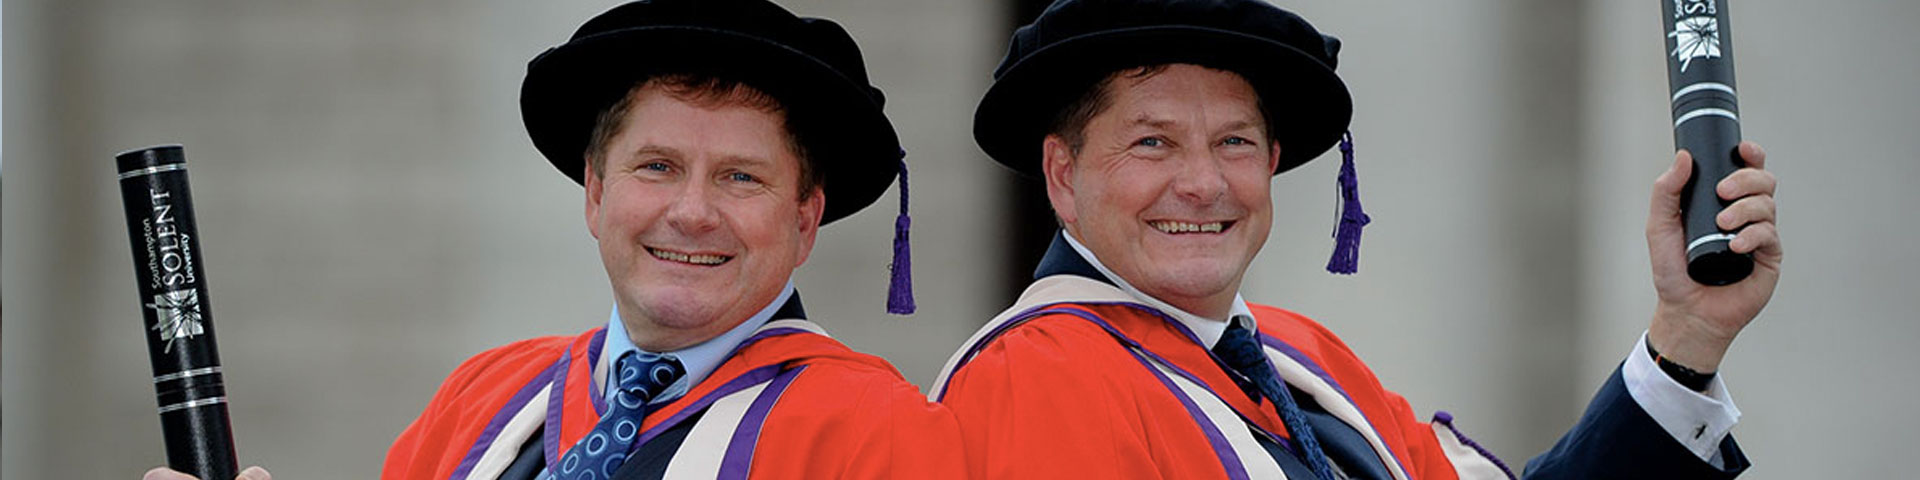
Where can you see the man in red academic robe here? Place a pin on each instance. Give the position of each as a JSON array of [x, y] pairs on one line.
[[1156, 125], [714, 138], [717, 137]]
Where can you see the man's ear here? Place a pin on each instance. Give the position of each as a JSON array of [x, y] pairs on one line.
[[1273, 157], [812, 208], [1056, 163], [594, 188]]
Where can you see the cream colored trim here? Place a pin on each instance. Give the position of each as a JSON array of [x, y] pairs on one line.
[[1253, 457], [1336, 404], [793, 323], [1468, 463], [506, 445], [706, 445], [1050, 290]]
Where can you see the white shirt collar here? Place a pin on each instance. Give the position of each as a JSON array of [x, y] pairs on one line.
[[1208, 330], [700, 360]]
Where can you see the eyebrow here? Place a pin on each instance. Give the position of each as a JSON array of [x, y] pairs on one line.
[[670, 152], [655, 150], [1240, 125], [1149, 120], [744, 160]]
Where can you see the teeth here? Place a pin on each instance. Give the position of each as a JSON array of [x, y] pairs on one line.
[[1170, 226], [685, 258]]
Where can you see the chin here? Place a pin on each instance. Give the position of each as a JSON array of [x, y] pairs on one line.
[[1198, 288], [678, 310], [1189, 282]]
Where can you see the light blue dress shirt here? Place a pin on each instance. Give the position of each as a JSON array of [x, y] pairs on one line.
[[700, 360]]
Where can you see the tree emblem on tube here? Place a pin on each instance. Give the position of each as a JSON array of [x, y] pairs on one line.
[[179, 313], [1695, 37]]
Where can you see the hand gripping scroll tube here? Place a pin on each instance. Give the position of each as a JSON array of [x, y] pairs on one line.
[[1706, 123], [173, 298]]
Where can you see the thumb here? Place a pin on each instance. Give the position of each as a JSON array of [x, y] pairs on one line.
[[164, 473], [255, 473], [1667, 188], [1665, 236]]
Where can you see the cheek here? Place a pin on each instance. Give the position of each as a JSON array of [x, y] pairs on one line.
[[631, 209], [1251, 184], [1105, 206], [1257, 196], [767, 224], [1127, 192]]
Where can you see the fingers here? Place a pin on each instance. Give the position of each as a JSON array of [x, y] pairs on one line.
[[1761, 239], [1753, 155], [1753, 209], [1751, 189], [1760, 233], [164, 473], [1746, 182]]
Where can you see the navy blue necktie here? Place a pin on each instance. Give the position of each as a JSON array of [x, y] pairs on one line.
[[641, 377], [1241, 351]]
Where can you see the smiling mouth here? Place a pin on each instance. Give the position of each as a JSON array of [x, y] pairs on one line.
[[688, 258], [1175, 227]]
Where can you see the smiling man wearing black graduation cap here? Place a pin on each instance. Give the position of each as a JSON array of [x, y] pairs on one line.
[[713, 138], [1157, 125]]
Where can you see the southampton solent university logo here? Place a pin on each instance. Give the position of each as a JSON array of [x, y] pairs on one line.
[[170, 262], [179, 313], [1696, 33]]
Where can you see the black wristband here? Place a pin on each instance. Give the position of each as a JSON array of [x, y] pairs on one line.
[[1687, 377]]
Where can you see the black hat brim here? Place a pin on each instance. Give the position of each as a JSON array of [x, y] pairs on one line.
[[849, 139], [1308, 104]]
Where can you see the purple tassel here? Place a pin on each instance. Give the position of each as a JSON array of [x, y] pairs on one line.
[[900, 288], [1346, 233]]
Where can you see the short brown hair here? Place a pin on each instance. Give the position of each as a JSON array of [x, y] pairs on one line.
[[702, 90], [1070, 123]]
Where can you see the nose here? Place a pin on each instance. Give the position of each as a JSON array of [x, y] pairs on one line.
[[1200, 179], [693, 210]]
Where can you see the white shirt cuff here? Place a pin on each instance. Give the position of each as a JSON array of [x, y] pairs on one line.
[[1699, 420]]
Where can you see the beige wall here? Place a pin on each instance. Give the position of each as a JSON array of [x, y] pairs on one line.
[[373, 213]]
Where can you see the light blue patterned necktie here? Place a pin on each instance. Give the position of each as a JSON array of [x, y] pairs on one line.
[[642, 376]]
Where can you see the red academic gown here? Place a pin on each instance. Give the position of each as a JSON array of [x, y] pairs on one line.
[[790, 402], [1077, 380]]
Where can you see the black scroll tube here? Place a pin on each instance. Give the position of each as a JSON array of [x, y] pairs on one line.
[[173, 297], [1706, 123]]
